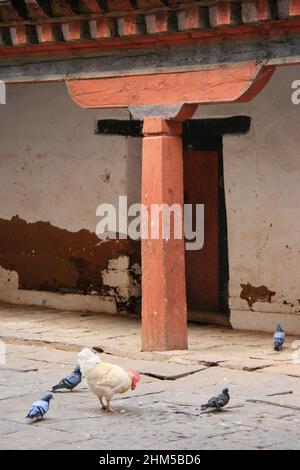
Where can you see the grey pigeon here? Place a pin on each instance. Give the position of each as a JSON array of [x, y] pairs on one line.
[[69, 382], [279, 337], [217, 402], [39, 408]]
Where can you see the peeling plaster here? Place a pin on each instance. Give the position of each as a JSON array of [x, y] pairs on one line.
[[122, 280], [256, 294], [40, 257]]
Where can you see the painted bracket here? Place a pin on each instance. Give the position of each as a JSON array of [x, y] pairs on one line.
[[145, 94]]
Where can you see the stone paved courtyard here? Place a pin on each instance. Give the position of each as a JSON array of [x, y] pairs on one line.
[[163, 412]]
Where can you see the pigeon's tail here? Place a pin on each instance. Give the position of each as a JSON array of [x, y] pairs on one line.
[[204, 407], [278, 343], [57, 386], [33, 414]]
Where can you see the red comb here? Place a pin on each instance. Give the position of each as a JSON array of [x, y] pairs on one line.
[[134, 372]]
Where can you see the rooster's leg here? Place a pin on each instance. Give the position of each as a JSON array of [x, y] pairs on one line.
[[104, 407], [111, 410]]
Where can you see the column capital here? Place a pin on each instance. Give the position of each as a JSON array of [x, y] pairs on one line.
[[157, 126], [174, 112]]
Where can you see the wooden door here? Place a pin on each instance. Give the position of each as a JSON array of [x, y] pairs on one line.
[[201, 186]]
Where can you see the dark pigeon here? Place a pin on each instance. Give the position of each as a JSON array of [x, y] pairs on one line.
[[217, 402], [279, 337], [40, 407], [69, 382]]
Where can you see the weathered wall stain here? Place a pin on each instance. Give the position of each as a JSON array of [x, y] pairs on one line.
[[53, 259], [256, 294]]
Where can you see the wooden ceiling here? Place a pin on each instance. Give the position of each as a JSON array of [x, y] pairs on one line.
[[25, 22]]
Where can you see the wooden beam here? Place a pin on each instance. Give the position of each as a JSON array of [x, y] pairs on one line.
[[131, 25], [199, 56], [75, 30], [48, 33], [35, 10], [119, 5], [150, 3], [102, 28], [206, 86], [288, 8], [239, 34], [225, 14], [193, 18], [90, 6], [8, 12], [161, 22], [21, 35], [192, 128], [260, 10], [61, 8]]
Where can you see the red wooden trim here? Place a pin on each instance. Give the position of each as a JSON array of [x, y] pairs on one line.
[[34, 10], [205, 86], [101, 28], [258, 85], [193, 18], [223, 14], [254, 12], [46, 33], [90, 6], [240, 33]]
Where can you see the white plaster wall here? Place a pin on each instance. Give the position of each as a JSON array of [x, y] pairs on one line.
[[11, 294], [262, 184], [53, 160], [55, 168]]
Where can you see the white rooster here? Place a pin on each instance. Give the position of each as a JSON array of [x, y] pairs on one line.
[[105, 380]]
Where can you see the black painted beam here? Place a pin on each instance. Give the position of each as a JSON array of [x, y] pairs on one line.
[[117, 127], [193, 128]]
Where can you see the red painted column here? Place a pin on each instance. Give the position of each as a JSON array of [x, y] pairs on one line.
[[164, 313]]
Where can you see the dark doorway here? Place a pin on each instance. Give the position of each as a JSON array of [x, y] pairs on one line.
[[201, 183], [207, 270]]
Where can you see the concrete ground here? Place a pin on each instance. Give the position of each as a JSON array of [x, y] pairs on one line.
[[163, 412]]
